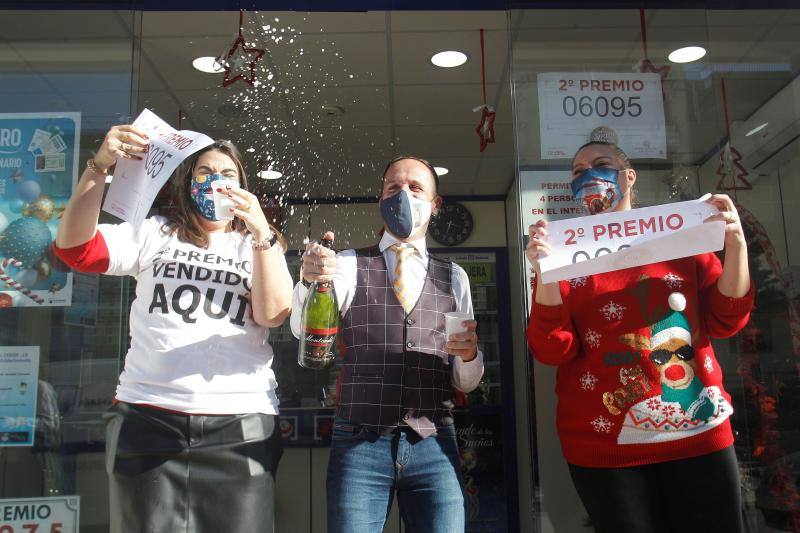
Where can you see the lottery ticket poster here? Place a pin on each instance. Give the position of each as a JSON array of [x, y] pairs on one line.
[[628, 107], [19, 373], [38, 172], [544, 194]]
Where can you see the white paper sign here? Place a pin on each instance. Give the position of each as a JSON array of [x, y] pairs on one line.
[[612, 241], [572, 104], [137, 183], [544, 195], [60, 514]]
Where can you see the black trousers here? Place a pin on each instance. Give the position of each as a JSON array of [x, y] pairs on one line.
[[700, 494], [177, 473]]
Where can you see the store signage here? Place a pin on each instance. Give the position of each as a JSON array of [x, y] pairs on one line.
[[60, 514], [136, 183], [572, 104], [19, 379], [612, 241], [38, 171], [544, 195]]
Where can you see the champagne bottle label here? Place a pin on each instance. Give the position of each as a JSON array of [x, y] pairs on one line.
[[320, 338]]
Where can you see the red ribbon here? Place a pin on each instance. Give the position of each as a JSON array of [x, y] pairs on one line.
[[643, 28], [725, 110], [483, 69]]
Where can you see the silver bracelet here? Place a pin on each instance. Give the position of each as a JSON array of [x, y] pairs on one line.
[[266, 244]]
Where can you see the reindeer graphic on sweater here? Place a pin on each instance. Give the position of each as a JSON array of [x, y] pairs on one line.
[[686, 406]]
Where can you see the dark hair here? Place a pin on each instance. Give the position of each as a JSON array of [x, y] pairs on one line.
[[619, 152], [415, 158], [184, 219]]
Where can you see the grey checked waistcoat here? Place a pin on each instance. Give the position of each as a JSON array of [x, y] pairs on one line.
[[395, 368]]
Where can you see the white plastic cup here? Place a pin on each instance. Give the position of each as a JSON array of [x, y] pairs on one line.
[[223, 204], [453, 323]]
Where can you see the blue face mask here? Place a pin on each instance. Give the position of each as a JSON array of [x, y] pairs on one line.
[[597, 190], [404, 214], [203, 195]]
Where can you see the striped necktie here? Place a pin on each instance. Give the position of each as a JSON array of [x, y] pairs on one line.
[[403, 252]]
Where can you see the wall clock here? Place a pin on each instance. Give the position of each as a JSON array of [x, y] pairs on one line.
[[452, 225]]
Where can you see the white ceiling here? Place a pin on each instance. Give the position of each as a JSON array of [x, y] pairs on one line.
[[395, 101]]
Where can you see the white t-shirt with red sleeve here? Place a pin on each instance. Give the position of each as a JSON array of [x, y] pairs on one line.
[[194, 345]]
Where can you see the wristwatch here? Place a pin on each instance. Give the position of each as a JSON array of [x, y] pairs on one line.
[[266, 244]]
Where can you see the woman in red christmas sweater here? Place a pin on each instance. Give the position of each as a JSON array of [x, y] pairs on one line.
[[643, 417]]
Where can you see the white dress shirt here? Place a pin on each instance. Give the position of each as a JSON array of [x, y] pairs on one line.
[[465, 375]]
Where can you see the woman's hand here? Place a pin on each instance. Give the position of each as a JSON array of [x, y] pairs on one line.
[[734, 234], [248, 208], [121, 141], [537, 244], [546, 293]]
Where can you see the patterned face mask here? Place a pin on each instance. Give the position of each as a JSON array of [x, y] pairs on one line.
[[203, 195], [597, 190]]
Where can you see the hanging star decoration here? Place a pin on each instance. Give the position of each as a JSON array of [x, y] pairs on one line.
[[485, 129], [239, 62], [730, 167], [647, 66]]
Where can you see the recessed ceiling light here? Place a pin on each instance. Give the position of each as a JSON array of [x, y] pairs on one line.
[[270, 175], [207, 64], [687, 54], [440, 171], [756, 129], [449, 59]]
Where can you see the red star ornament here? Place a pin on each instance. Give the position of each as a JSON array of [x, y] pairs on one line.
[[237, 58], [485, 129]]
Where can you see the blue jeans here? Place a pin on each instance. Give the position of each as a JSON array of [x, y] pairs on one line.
[[367, 468]]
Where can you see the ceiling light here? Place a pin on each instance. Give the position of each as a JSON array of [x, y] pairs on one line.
[[270, 175], [687, 54], [440, 171], [449, 59], [207, 64], [756, 129]]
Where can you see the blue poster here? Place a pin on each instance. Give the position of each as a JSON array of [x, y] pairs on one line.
[[38, 171], [19, 373]]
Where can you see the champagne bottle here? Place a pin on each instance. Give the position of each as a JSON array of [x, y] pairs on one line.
[[319, 325]]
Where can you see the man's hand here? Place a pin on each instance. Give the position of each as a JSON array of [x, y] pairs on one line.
[[464, 345], [319, 263]]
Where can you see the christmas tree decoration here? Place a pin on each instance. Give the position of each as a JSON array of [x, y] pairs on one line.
[[485, 129], [732, 175], [43, 208], [29, 191], [239, 62], [26, 239], [12, 283]]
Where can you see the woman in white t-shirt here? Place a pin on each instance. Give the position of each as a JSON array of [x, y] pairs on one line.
[[192, 440]]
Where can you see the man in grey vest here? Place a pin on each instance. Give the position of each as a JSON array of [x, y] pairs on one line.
[[394, 426]]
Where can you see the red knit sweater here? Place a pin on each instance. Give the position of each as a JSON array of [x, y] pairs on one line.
[[637, 379]]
